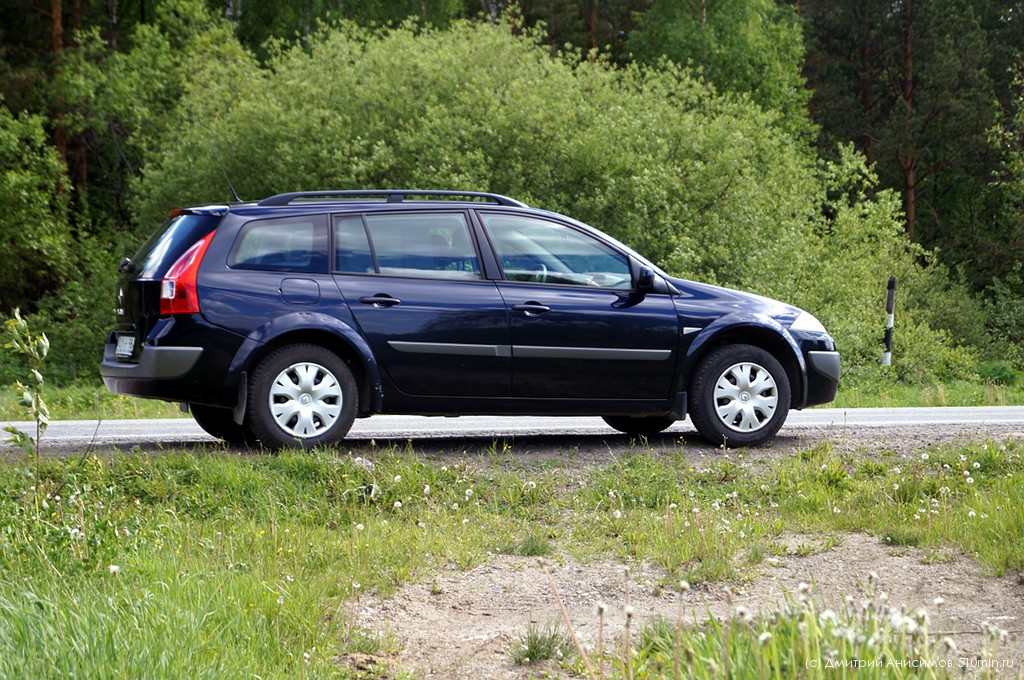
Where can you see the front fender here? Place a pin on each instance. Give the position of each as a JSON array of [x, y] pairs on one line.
[[308, 322], [755, 329]]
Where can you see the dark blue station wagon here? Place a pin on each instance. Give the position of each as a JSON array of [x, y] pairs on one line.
[[282, 321]]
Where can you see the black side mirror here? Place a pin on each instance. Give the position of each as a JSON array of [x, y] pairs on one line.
[[645, 280]]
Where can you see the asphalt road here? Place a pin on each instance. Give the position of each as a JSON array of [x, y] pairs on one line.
[[76, 434]]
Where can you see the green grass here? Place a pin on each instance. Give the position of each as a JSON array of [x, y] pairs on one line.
[[542, 643], [87, 402], [953, 393], [230, 565]]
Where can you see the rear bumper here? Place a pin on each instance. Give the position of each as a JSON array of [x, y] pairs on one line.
[[170, 366], [155, 363]]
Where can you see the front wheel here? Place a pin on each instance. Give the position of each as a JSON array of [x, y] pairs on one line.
[[739, 396], [302, 395], [640, 425]]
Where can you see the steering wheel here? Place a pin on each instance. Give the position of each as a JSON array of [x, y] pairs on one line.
[[542, 275]]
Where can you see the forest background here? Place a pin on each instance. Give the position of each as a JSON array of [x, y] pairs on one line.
[[803, 149]]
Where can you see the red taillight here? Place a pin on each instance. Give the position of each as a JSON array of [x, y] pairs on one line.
[[178, 288]]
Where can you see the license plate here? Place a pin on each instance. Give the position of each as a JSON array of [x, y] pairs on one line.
[[125, 346]]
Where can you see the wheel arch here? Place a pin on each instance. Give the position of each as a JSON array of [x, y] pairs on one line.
[[325, 331], [766, 334]]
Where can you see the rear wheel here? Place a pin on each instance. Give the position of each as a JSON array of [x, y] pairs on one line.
[[640, 425], [302, 395], [220, 423], [740, 396]]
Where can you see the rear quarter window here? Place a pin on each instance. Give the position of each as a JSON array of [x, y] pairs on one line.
[[293, 244]]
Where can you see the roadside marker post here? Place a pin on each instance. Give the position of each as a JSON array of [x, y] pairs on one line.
[[890, 319]]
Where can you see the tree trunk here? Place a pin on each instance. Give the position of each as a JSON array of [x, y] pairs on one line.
[[909, 160], [56, 48], [910, 195]]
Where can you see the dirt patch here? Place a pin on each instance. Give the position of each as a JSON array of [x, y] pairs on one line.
[[463, 624]]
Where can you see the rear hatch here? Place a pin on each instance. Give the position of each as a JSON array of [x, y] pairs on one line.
[[140, 277]]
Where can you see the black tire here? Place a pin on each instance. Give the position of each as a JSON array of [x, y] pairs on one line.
[[220, 423], [741, 414], [324, 403], [640, 425]]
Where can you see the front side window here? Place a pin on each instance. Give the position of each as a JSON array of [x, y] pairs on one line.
[[433, 245], [539, 251], [294, 244]]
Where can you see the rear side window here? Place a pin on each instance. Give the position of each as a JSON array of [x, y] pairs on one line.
[[170, 241], [293, 244], [431, 245]]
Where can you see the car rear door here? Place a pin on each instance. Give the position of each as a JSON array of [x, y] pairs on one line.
[[579, 329], [415, 286]]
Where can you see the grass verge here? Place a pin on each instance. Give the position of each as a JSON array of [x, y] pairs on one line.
[[204, 564]]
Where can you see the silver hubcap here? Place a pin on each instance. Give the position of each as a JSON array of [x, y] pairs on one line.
[[305, 400], [746, 397]]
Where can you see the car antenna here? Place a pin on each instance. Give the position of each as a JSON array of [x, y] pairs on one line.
[[228, 179]]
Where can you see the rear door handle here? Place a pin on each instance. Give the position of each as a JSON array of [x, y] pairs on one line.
[[531, 308], [380, 300]]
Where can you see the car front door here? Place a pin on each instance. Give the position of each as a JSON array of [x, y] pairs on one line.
[[579, 329], [414, 284]]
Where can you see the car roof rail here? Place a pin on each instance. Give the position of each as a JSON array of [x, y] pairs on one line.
[[389, 195]]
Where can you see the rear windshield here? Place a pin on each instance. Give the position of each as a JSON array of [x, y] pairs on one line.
[[173, 238]]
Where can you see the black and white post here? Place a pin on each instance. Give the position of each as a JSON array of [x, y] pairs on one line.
[[890, 319]]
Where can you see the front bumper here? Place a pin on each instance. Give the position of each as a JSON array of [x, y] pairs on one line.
[[822, 377]]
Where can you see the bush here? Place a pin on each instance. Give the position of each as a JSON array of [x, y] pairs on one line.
[[35, 251], [705, 185]]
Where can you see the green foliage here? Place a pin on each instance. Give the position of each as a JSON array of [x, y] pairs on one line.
[[917, 87], [125, 102], [750, 47], [542, 643], [707, 186], [35, 243], [1005, 308], [33, 348], [268, 556]]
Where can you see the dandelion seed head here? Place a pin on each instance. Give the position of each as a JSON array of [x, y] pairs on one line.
[[114, 569]]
